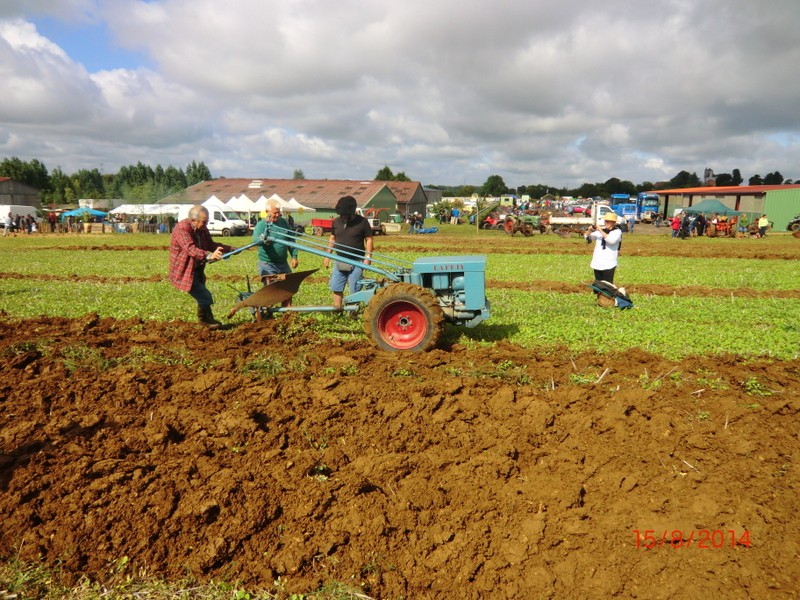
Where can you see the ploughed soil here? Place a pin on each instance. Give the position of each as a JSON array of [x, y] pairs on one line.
[[260, 453]]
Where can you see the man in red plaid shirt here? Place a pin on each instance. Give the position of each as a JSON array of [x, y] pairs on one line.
[[190, 249]]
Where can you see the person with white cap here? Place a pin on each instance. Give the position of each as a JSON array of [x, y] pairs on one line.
[[606, 249]]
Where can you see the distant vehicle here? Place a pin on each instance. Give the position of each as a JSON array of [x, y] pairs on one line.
[[15, 209], [648, 206], [594, 216], [643, 207], [221, 220]]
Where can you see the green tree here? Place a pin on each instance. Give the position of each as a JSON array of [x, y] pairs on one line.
[[466, 191], [619, 186], [537, 191], [195, 173], [684, 179], [59, 184], [88, 184], [32, 173], [736, 178], [174, 179], [589, 190], [724, 179], [298, 174], [384, 174], [494, 186], [773, 178], [755, 180], [401, 176]]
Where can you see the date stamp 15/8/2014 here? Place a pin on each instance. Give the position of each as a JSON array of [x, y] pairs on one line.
[[703, 539]]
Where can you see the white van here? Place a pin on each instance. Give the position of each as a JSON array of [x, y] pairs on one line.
[[15, 209], [221, 220]]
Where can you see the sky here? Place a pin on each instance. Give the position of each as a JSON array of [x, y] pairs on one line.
[[448, 92]]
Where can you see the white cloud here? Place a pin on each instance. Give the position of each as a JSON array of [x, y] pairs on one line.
[[449, 92]]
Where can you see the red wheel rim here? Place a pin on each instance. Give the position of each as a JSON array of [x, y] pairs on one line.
[[403, 325], [508, 226]]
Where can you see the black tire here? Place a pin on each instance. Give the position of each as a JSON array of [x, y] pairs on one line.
[[404, 317], [226, 233], [795, 226], [509, 226]]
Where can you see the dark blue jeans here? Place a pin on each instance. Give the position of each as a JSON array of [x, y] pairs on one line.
[[199, 290]]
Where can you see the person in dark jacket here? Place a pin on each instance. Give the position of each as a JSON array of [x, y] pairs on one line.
[[190, 249], [352, 238]]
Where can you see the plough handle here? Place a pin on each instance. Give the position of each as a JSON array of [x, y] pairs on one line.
[[242, 249]]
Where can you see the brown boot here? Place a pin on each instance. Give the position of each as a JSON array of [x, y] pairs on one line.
[[206, 317]]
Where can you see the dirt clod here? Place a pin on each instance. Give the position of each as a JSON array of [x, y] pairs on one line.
[[159, 442]]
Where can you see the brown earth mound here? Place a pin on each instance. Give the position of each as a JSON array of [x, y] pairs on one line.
[[259, 453]]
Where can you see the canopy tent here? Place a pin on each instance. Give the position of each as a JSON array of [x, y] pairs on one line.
[[294, 205], [146, 209], [241, 204], [709, 206], [260, 205], [80, 212]]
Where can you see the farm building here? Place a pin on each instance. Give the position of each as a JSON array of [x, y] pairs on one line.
[[779, 202], [378, 197], [14, 192]]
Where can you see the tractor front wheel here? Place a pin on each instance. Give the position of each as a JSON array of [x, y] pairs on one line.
[[403, 316], [509, 226]]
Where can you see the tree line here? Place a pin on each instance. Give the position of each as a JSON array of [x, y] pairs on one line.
[[495, 186], [142, 183], [137, 183]]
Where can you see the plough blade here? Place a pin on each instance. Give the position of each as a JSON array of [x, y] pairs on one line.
[[281, 288]]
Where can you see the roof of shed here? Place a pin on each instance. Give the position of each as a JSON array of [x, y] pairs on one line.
[[316, 193]]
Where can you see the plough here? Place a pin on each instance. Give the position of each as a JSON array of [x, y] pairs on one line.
[[406, 304]]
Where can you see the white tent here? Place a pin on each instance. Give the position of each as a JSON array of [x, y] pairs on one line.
[[261, 203], [294, 205], [241, 204], [284, 204], [146, 209]]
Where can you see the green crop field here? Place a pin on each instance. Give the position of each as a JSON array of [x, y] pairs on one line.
[[124, 276]]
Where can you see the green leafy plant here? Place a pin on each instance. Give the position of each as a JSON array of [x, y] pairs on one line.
[[754, 387], [349, 369], [403, 372], [267, 365], [703, 415], [649, 384], [582, 378], [80, 357], [715, 383]]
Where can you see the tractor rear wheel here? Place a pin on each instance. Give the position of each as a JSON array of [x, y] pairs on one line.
[[508, 226], [404, 316]]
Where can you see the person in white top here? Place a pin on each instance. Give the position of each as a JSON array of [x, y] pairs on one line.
[[8, 225], [606, 249]]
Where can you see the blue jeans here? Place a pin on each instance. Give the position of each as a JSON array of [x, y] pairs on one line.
[[270, 268], [339, 279], [199, 291]]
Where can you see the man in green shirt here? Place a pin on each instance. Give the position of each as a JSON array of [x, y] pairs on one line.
[[273, 257]]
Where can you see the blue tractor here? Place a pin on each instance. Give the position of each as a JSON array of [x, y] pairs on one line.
[[405, 304]]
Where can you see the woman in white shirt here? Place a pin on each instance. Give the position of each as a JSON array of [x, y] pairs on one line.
[[606, 249]]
